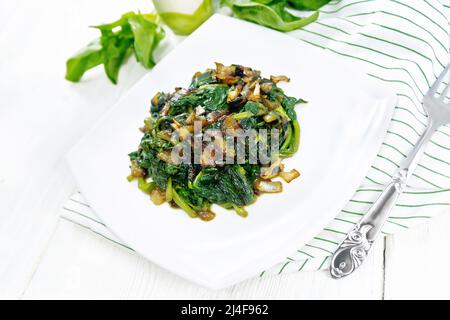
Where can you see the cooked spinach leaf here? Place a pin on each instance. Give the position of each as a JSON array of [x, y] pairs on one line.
[[212, 97], [201, 79], [225, 185]]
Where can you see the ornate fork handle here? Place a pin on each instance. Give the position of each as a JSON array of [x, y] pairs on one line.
[[358, 242], [354, 249], [352, 252]]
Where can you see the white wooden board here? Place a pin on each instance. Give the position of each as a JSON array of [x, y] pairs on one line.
[[44, 257]]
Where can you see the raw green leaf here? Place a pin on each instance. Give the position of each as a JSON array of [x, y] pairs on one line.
[[307, 4], [147, 36], [132, 32], [273, 14], [86, 59], [116, 49], [113, 25]]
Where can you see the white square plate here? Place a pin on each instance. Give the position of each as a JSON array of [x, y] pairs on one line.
[[343, 126]]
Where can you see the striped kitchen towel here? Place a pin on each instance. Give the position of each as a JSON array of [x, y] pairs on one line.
[[406, 44]]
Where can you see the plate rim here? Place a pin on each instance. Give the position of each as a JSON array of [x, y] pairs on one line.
[[230, 278]]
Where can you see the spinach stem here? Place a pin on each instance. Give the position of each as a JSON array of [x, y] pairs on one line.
[[183, 204]]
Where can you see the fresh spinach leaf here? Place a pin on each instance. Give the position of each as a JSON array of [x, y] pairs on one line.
[[116, 48], [86, 59], [147, 36], [272, 14], [132, 32], [308, 4]]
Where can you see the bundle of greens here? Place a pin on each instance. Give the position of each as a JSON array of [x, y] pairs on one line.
[[133, 32], [225, 99], [273, 13], [141, 34]]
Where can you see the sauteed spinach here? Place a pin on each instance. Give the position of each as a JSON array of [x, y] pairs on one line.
[[220, 100]]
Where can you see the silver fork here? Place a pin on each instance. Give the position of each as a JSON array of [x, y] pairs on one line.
[[352, 252]]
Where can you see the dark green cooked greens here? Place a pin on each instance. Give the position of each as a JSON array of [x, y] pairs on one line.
[[222, 100]]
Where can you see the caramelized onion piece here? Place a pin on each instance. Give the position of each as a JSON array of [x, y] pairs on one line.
[[230, 80], [219, 142], [266, 87], [165, 109], [183, 133], [226, 73], [270, 117], [199, 110], [158, 196], [191, 118], [136, 171], [245, 91], [165, 156], [272, 171], [256, 94], [251, 74], [164, 134], [232, 95], [208, 158], [257, 91], [175, 124], [190, 128], [213, 116], [289, 176], [230, 124], [206, 215], [155, 99], [276, 79], [202, 120], [271, 105], [268, 186]]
